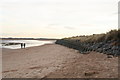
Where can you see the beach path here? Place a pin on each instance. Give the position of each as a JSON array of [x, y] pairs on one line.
[[56, 61]]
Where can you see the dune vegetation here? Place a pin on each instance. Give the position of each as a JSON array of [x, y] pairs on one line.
[[108, 43]]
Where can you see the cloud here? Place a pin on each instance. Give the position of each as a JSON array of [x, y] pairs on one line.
[[87, 25], [116, 13], [52, 26], [60, 27], [68, 27]]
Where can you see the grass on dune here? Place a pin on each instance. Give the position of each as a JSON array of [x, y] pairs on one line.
[[111, 35]]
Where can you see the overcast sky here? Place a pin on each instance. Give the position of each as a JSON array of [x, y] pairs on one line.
[[57, 18]]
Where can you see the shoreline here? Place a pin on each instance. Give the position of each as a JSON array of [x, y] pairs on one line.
[[17, 43], [28, 39], [28, 47], [56, 61]]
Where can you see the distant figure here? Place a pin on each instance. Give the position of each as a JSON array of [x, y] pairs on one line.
[[24, 45], [21, 45]]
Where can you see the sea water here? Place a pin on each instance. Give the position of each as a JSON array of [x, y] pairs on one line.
[[29, 43]]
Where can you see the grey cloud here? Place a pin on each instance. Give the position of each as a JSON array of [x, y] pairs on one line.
[[51, 26], [116, 13], [68, 27]]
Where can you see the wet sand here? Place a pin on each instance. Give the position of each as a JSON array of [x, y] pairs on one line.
[[56, 61]]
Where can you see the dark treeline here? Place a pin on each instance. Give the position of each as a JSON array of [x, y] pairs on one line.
[[108, 43], [28, 39]]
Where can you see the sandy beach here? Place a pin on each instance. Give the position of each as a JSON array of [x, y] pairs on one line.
[[56, 61]]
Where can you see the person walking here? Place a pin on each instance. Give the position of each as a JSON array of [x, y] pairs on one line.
[[21, 45], [24, 45]]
